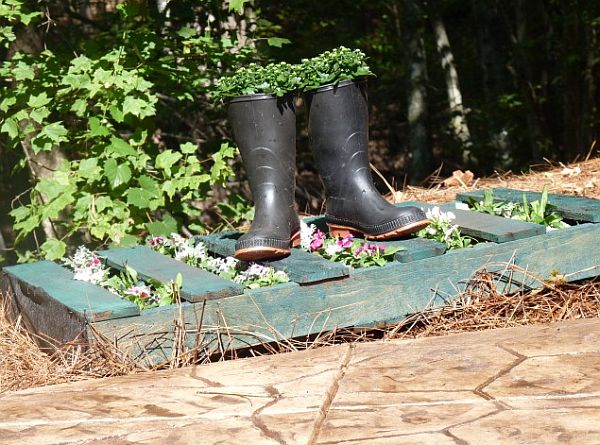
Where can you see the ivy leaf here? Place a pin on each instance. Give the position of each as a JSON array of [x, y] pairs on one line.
[[277, 42], [54, 249], [116, 174], [120, 147]]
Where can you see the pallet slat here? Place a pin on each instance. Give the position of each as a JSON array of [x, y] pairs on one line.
[[302, 267], [570, 207], [197, 283], [88, 300], [489, 227], [415, 249]]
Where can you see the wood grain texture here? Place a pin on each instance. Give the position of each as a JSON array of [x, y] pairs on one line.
[[198, 284], [490, 227], [48, 280], [570, 207], [373, 296], [301, 266]]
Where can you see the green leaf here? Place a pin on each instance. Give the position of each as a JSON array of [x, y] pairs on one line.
[[277, 42], [165, 227], [78, 107], [54, 249], [23, 72], [50, 135], [116, 174], [237, 5], [96, 128], [38, 101], [120, 147], [7, 102], [88, 168], [39, 114], [10, 127], [188, 148], [166, 159], [135, 106], [139, 197]]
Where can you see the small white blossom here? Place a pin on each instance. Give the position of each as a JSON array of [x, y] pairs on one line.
[[306, 235], [333, 248]]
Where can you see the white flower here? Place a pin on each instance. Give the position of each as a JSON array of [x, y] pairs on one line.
[[333, 248], [306, 234]]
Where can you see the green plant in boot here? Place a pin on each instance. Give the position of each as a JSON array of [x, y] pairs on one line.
[[277, 79], [332, 67]]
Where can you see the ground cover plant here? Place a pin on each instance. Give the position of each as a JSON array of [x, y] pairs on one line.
[[441, 229], [538, 211], [195, 253], [347, 250], [88, 266]]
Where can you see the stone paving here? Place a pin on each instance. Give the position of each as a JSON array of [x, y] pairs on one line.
[[533, 385]]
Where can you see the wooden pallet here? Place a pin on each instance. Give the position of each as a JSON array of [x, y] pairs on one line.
[[321, 295]]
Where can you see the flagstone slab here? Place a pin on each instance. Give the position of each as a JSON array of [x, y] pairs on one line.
[[467, 389], [577, 426]]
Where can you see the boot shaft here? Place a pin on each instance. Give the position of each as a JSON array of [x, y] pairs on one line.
[[264, 129], [338, 129]]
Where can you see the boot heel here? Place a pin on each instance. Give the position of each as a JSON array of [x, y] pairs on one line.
[[295, 241], [341, 231]]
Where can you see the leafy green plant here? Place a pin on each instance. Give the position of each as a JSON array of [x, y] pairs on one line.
[[277, 79], [332, 67], [117, 180], [537, 212], [441, 229]]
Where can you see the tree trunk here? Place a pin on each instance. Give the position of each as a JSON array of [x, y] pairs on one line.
[[458, 121], [420, 153], [42, 164]]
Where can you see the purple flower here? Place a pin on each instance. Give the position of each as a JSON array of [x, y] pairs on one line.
[[317, 240], [346, 241]]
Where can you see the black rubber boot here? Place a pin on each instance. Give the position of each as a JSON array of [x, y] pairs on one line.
[[339, 135], [264, 128]]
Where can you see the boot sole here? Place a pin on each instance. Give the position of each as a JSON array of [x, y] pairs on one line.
[[341, 231], [267, 253]]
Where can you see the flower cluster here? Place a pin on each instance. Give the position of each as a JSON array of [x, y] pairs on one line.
[[195, 254], [347, 249], [442, 229], [88, 267]]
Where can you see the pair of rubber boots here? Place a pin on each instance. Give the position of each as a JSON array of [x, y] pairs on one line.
[[264, 128]]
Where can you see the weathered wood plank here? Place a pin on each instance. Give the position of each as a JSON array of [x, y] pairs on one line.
[[376, 296], [302, 267], [414, 249], [48, 279], [570, 207], [198, 284], [490, 227]]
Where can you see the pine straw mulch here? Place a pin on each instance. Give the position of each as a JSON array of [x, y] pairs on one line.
[[479, 307]]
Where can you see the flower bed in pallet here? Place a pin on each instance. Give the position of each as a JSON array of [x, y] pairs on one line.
[[320, 296]]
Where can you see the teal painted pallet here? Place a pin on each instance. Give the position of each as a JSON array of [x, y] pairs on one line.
[[422, 275]]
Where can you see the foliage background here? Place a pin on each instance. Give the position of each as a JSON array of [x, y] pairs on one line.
[[109, 132]]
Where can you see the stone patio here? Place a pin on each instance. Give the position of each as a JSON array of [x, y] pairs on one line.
[[533, 385]]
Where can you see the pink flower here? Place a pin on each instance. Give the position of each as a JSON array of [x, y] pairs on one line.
[[346, 241], [94, 262], [317, 240], [156, 241]]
